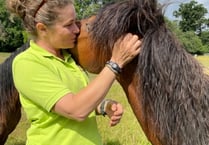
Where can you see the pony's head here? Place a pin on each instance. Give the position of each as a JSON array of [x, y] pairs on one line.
[[98, 33]]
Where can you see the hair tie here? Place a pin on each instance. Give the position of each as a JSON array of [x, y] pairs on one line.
[[42, 3]]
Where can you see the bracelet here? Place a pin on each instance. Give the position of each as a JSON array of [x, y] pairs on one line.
[[102, 108], [113, 67], [106, 104]]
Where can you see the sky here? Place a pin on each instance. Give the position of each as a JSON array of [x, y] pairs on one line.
[[175, 5]]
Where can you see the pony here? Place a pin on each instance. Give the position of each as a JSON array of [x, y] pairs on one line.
[[165, 86], [10, 108]]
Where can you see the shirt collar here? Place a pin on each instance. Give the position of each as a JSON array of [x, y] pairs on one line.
[[45, 53]]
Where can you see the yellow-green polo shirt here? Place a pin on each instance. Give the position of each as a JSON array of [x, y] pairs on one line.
[[41, 80]]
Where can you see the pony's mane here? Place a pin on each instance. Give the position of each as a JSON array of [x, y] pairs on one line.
[[175, 88], [118, 18]]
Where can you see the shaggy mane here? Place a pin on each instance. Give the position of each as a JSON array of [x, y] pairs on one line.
[[175, 88]]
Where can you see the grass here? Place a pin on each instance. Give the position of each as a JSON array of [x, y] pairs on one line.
[[3, 56], [205, 62], [128, 132]]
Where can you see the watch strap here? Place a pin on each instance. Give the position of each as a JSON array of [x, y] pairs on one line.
[[114, 67]]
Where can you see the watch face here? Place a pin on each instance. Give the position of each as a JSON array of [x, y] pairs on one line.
[[114, 65]]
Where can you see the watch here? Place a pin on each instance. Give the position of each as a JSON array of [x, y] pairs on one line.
[[114, 67]]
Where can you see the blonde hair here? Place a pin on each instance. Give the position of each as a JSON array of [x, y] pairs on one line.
[[32, 11]]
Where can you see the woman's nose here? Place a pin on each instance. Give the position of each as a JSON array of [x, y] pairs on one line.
[[76, 29]]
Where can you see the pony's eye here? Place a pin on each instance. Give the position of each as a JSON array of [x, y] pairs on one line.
[[88, 27], [68, 25]]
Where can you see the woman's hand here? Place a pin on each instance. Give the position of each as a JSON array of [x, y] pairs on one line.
[[115, 114], [114, 111], [125, 49]]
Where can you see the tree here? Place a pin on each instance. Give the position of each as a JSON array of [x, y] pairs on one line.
[[87, 8], [11, 36], [190, 41], [192, 16], [205, 39]]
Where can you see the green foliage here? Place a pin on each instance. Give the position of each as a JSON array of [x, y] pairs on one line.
[[11, 36], [11, 30], [87, 8], [173, 26], [205, 38], [192, 16], [191, 42]]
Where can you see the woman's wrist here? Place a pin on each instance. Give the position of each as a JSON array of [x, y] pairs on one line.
[[114, 67], [104, 106], [100, 110]]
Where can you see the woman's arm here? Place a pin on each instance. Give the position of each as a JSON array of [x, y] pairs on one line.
[[79, 106]]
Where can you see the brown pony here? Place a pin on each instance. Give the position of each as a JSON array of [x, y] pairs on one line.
[[166, 87], [10, 108]]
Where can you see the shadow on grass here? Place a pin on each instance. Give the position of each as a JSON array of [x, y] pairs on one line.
[[20, 143], [15, 142], [113, 143], [108, 143]]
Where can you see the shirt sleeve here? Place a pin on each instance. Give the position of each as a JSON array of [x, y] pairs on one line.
[[38, 82]]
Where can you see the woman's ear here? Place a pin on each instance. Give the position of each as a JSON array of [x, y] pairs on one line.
[[41, 28]]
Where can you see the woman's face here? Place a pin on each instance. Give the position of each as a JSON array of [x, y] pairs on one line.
[[63, 34]]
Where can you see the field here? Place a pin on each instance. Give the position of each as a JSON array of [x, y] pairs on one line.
[[128, 132]]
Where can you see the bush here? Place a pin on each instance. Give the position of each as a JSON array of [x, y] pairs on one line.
[[11, 36], [192, 43]]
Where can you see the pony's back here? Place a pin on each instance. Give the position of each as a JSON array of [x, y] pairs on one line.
[[10, 108]]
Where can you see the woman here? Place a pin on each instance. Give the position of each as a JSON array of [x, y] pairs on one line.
[[54, 92]]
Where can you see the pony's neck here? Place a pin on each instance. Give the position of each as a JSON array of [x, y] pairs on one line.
[[129, 80]]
